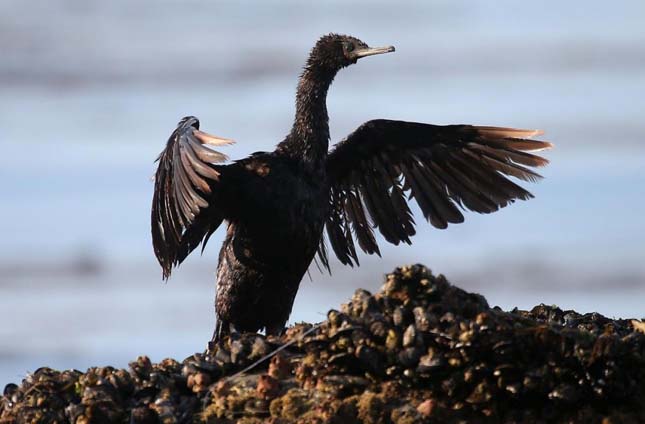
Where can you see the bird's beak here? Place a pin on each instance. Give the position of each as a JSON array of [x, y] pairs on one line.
[[213, 140], [370, 51]]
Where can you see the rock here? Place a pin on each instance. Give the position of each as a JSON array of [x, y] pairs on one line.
[[420, 350], [426, 408]]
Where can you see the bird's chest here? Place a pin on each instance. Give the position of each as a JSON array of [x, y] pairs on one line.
[[287, 212], [302, 208]]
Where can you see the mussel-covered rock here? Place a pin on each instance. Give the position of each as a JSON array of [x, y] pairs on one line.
[[418, 351]]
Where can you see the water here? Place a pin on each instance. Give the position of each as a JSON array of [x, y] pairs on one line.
[[90, 91]]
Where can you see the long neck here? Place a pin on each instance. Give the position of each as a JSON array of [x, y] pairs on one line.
[[309, 137]]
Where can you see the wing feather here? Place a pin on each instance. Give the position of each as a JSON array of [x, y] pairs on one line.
[[383, 164], [439, 197], [360, 224], [185, 210]]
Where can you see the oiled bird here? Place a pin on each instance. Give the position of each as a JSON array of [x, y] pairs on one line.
[[277, 205]]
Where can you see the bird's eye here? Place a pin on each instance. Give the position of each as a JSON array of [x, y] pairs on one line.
[[349, 47]]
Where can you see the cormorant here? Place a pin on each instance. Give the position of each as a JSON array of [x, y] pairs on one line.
[[276, 204]]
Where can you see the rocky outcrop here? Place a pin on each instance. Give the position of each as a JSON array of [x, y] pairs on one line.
[[420, 350]]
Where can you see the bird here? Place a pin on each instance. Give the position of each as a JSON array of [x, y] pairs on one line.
[[283, 208]]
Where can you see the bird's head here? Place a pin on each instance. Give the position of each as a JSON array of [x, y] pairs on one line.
[[333, 52]]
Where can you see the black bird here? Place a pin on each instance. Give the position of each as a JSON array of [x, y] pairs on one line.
[[276, 203]]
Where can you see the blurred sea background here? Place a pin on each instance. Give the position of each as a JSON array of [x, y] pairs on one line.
[[90, 91]]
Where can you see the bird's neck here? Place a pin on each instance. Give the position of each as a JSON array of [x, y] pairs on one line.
[[309, 136]]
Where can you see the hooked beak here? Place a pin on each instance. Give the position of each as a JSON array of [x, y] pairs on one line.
[[371, 51], [213, 140]]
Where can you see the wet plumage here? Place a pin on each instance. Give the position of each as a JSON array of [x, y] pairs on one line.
[[277, 205]]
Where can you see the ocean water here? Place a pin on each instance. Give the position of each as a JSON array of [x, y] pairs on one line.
[[90, 91]]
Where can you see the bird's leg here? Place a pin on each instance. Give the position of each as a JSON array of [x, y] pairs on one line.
[[275, 329], [222, 329]]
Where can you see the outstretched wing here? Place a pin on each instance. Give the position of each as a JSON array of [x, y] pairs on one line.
[[446, 169], [184, 205]]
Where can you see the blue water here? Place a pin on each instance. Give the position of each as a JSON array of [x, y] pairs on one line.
[[90, 91]]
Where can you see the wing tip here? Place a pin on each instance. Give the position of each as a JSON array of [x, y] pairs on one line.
[[503, 132], [540, 145], [516, 138], [213, 140], [508, 131]]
